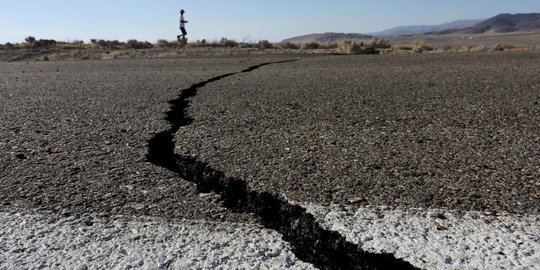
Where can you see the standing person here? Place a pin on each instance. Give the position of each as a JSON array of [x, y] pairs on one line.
[[182, 26]]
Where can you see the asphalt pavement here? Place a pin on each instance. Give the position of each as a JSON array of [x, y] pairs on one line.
[[449, 131], [379, 151], [74, 135]]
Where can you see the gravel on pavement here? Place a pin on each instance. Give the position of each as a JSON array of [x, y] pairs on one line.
[[451, 131]]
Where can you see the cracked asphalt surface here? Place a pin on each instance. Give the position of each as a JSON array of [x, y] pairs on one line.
[[73, 137], [451, 131], [455, 131]]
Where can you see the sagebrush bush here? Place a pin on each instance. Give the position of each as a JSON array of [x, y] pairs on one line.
[[264, 44], [135, 44], [331, 46], [229, 43], [287, 45], [162, 43], [30, 39], [311, 45], [109, 44], [45, 43], [420, 47], [40, 43], [349, 47], [380, 43], [198, 44], [103, 43]]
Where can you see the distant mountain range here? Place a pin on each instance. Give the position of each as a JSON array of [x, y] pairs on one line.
[[327, 38], [502, 23], [421, 29]]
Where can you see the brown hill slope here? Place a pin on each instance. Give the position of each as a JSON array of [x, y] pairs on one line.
[[502, 23], [327, 38]]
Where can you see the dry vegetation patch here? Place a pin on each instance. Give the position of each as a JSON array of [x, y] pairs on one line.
[[48, 49]]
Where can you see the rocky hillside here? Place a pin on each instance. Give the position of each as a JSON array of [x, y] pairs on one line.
[[328, 38], [421, 29], [502, 23]]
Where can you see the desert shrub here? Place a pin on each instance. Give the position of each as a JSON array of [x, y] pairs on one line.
[[420, 47], [73, 44], [115, 44], [349, 47], [109, 44], [247, 45], [331, 46], [213, 43], [311, 45], [264, 44], [103, 43], [161, 43], [225, 42], [30, 39], [288, 45], [135, 44], [446, 48], [45, 43], [497, 48], [198, 44], [9, 46], [380, 43]]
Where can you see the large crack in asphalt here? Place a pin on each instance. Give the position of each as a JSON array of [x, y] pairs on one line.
[[309, 241]]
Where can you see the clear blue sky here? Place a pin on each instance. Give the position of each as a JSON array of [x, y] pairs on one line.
[[237, 19]]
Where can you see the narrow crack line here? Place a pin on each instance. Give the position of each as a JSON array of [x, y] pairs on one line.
[[309, 241]]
